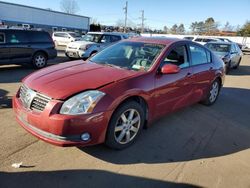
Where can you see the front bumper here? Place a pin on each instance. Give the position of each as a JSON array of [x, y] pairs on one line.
[[74, 53], [62, 130]]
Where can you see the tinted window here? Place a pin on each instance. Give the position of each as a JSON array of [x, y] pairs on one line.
[[2, 39], [198, 40], [114, 38], [17, 37], [178, 56], [39, 37], [198, 55]]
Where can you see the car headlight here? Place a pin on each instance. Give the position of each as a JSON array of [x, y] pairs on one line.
[[85, 47], [82, 103]]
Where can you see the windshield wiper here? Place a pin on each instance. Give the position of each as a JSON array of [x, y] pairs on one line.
[[112, 65]]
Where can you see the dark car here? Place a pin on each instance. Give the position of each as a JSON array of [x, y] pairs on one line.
[[26, 46], [230, 53], [115, 93]]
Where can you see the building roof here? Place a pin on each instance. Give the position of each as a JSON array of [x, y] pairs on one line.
[[43, 9]]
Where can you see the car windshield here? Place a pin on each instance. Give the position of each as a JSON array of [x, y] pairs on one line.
[[92, 37], [137, 56], [219, 47], [75, 35]]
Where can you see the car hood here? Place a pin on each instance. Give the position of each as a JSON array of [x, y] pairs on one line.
[[66, 79], [78, 44]]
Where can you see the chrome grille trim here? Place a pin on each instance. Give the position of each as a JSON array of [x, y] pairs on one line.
[[37, 101]]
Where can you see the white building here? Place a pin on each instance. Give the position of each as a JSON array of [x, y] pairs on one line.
[[32, 17]]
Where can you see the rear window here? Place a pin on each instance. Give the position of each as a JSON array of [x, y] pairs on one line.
[[219, 47], [39, 37], [198, 40], [2, 38], [199, 55]]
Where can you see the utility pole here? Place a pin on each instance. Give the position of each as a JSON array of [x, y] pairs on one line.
[[126, 16], [142, 21]]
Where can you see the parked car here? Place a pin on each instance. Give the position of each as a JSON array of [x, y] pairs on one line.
[[117, 92], [204, 40], [92, 43], [26, 47], [230, 53], [64, 38]]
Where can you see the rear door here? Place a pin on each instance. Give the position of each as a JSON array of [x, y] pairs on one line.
[[4, 49], [203, 72], [174, 91], [20, 47]]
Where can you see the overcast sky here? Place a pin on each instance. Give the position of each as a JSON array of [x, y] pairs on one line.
[[157, 12]]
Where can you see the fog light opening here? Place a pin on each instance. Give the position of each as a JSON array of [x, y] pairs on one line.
[[85, 137]]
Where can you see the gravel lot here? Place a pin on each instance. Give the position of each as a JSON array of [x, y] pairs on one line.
[[198, 146]]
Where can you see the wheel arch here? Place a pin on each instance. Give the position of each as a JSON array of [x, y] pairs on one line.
[[140, 100]]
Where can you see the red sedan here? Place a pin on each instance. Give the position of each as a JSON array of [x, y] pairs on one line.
[[112, 96]]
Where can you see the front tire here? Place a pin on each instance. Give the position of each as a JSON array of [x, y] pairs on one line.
[[213, 93], [39, 60], [125, 125], [238, 64]]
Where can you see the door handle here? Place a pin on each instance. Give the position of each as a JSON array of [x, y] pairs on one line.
[[189, 74], [211, 68]]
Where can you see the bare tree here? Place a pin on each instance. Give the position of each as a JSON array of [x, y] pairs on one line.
[[69, 6]]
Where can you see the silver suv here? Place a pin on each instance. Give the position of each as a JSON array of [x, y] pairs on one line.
[[92, 43]]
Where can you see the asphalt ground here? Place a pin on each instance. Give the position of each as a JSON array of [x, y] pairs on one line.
[[198, 146]]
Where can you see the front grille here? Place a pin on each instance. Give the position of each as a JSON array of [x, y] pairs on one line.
[[71, 47], [23, 92], [32, 99], [39, 102]]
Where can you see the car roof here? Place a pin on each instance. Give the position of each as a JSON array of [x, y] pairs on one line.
[[156, 40]]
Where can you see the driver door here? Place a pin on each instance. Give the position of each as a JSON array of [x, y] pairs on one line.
[[173, 91]]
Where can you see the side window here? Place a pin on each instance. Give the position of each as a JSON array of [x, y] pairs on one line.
[[209, 57], [178, 56], [198, 55], [39, 37], [106, 39], [17, 37], [114, 38], [233, 50], [2, 38]]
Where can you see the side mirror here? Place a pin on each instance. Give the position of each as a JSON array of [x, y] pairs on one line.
[[103, 41], [170, 69]]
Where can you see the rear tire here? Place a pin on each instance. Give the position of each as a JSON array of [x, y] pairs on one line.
[[228, 67], [39, 60], [125, 125], [213, 93]]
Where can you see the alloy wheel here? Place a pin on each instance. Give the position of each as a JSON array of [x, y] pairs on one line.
[[127, 126], [214, 92]]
